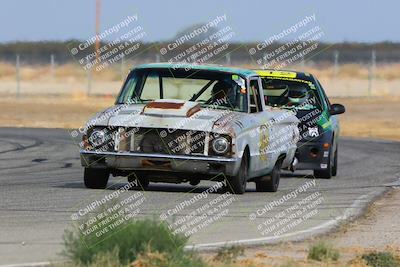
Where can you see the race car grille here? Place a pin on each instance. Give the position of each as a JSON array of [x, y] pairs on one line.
[[160, 141]]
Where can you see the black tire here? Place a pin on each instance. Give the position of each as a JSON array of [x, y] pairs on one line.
[[328, 172], [335, 164], [270, 183], [194, 182], [96, 178], [143, 182], [237, 184]]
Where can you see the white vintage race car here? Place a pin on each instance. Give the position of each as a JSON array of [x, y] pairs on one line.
[[187, 123]]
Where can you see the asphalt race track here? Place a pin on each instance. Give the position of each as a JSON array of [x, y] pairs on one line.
[[41, 187]]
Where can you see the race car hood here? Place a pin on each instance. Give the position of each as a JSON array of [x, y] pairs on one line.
[[171, 114]]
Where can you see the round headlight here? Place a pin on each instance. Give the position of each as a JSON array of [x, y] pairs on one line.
[[97, 138], [220, 145]]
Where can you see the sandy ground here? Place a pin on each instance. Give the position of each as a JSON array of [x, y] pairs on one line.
[[376, 117], [50, 112], [378, 229]]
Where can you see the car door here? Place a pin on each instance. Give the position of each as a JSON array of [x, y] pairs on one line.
[[259, 137]]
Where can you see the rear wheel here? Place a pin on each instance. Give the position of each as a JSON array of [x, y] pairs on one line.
[[237, 183], [194, 182], [143, 182], [96, 178], [270, 183]]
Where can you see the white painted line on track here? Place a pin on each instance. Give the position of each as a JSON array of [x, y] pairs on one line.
[[353, 210]]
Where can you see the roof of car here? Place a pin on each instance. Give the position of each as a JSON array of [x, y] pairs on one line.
[[284, 74], [241, 72]]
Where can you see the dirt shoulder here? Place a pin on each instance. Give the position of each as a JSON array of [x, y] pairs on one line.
[[376, 117], [50, 111], [377, 230]]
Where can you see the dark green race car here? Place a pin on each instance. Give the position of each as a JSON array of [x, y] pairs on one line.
[[319, 126]]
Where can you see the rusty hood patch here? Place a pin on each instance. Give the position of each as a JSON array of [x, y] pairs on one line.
[[171, 107]]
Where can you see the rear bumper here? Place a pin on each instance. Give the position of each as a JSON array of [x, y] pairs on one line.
[[159, 162], [312, 156]]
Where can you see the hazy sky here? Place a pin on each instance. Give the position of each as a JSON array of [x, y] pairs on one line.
[[361, 21]]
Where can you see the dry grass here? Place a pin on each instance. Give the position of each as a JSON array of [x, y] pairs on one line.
[[296, 256], [375, 117], [50, 112], [66, 72], [6, 70]]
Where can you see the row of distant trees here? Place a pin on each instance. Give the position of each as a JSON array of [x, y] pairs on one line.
[[39, 52]]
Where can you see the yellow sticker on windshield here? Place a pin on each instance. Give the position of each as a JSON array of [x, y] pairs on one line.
[[275, 73]]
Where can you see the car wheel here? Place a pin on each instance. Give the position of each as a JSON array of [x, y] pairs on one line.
[[194, 182], [96, 178], [143, 182], [335, 159], [237, 183], [270, 183], [328, 172]]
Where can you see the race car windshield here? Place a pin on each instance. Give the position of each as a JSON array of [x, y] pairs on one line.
[[210, 88], [290, 94]]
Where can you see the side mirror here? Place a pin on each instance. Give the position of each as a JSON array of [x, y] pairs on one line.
[[336, 109]]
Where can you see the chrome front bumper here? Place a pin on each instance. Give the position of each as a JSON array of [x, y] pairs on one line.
[[164, 162]]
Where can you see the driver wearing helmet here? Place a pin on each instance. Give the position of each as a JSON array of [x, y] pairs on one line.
[[297, 96], [220, 93]]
